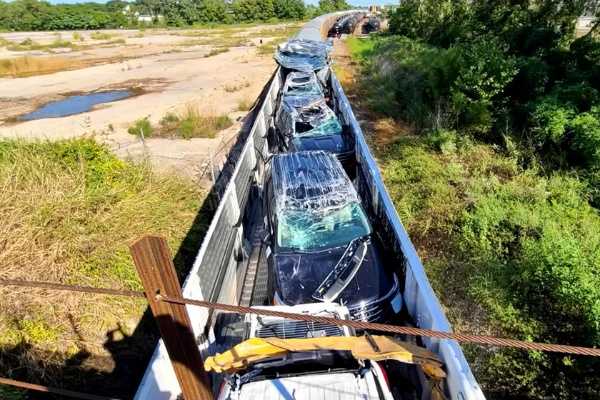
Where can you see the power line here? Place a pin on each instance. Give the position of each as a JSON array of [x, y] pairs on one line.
[[406, 330], [47, 389]]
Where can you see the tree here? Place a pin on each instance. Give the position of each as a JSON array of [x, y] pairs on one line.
[[328, 6], [289, 9]]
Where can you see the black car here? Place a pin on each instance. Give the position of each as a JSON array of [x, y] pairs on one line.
[[305, 122], [322, 247]]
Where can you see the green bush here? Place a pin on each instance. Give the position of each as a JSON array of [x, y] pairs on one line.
[[499, 182], [511, 69], [524, 248], [586, 136], [550, 120], [142, 128]]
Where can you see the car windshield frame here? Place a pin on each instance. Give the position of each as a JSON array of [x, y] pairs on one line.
[[297, 225]]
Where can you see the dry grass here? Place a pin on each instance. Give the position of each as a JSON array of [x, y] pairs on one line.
[[274, 36], [29, 45], [192, 123], [68, 210], [100, 35], [244, 104], [218, 41], [28, 65], [78, 37], [216, 51], [232, 88]]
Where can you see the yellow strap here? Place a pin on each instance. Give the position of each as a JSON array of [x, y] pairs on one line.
[[256, 349]]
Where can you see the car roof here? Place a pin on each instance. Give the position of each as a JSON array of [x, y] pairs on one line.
[[313, 180]]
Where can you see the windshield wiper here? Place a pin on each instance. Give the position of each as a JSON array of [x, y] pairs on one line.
[[343, 272]]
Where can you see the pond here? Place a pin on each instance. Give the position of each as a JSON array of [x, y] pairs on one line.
[[75, 104]]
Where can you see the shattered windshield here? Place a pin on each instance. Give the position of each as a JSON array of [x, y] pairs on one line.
[[306, 230], [330, 125], [302, 84], [314, 118]]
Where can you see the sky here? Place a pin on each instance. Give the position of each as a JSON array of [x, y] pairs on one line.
[[353, 2]]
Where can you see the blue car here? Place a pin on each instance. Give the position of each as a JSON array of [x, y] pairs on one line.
[[322, 247]]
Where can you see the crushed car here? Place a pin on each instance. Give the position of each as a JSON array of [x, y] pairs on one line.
[[321, 246], [303, 55], [304, 121]]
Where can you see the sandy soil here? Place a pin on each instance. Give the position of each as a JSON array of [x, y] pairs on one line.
[[171, 76]]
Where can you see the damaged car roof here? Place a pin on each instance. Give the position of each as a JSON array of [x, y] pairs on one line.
[[303, 54], [311, 180]]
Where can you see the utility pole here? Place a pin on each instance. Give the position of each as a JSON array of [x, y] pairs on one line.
[[154, 265]]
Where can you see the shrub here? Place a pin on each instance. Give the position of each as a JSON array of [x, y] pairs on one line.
[[523, 247], [586, 136], [550, 120], [191, 123], [142, 128]]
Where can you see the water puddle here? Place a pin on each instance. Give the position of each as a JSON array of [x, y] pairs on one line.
[[75, 104]]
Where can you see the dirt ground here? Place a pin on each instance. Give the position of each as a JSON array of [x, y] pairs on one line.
[[172, 69]]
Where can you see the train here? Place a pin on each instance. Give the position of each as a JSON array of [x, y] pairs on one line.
[[237, 262]]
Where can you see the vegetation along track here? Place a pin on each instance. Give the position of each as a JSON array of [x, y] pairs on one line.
[[491, 156]]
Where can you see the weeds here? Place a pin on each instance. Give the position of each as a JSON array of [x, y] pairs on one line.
[[191, 123], [28, 65], [216, 51], [509, 250], [78, 37], [68, 210], [29, 45], [232, 88], [219, 42], [141, 128], [194, 124], [100, 35], [244, 104], [115, 41]]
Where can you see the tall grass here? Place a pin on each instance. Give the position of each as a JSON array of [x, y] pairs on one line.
[[244, 104], [68, 211], [29, 44], [100, 35], [191, 123], [28, 65]]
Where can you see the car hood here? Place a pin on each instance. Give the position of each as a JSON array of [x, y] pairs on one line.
[[298, 275]]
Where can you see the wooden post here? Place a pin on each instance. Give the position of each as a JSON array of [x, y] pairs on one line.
[[155, 267]]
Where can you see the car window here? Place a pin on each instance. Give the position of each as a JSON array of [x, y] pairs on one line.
[[305, 230]]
